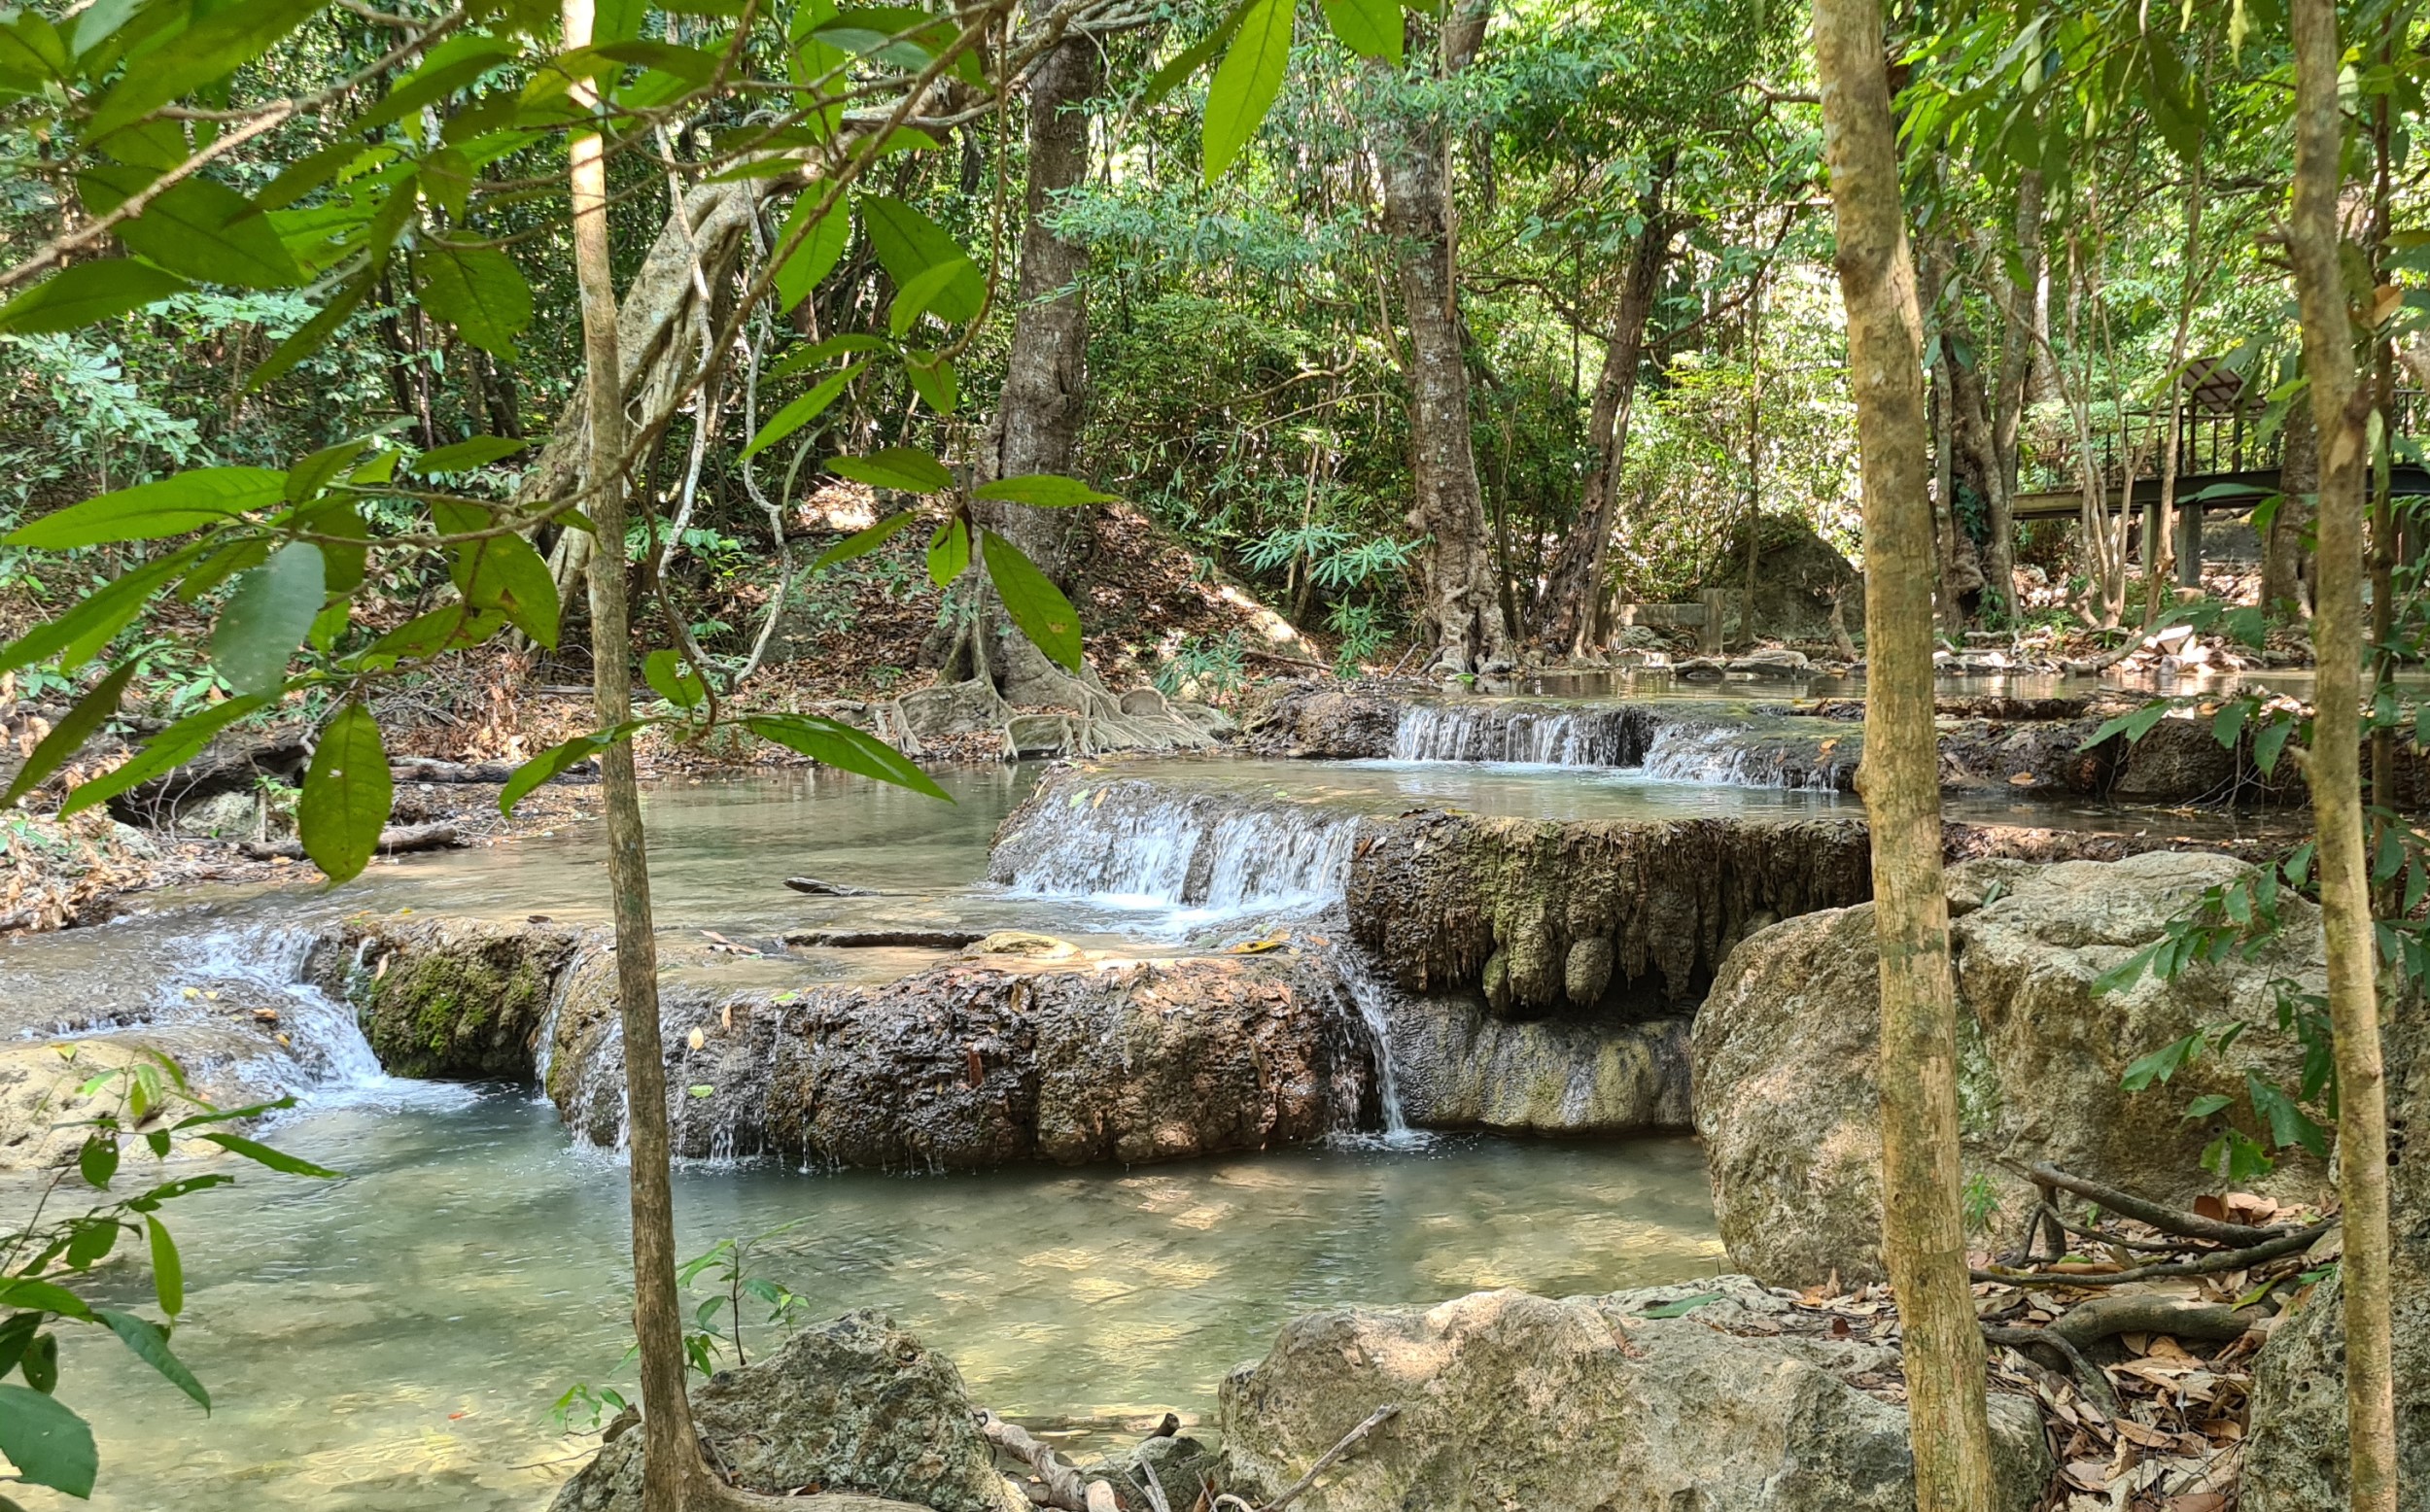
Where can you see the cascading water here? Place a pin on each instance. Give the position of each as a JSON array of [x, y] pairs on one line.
[[1535, 737], [1138, 847], [1689, 753], [1374, 997]]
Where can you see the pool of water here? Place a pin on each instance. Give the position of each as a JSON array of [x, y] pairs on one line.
[[395, 1340]]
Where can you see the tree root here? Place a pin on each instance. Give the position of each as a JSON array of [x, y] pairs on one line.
[[2169, 1220], [2209, 1264], [2088, 1377]]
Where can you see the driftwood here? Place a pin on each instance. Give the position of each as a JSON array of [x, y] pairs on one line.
[[1059, 1485], [811, 884], [396, 841], [870, 938]]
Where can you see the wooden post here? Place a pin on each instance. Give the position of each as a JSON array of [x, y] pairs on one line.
[[1715, 602], [2190, 545]]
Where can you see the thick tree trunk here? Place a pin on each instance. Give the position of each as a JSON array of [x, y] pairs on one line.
[[1462, 596], [1923, 1229], [672, 1469], [2284, 593], [1045, 397], [2339, 408], [1569, 614]]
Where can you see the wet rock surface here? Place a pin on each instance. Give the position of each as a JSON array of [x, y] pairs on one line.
[[1592, 1404], [1458, 1067], [451, 998], [852, 1405], [1785, 1049]]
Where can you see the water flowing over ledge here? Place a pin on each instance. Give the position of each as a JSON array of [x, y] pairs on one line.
[[1139, 844]]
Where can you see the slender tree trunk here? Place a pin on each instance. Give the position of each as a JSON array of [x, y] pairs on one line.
[[1045, 397], [2015, 377], [2284, 593], [1568, 614], [671, 1465], [2339, 408], [2382, 459], [1463, 596], [1923, 1228]]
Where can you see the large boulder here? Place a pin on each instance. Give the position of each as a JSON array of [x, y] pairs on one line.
[[1742, 1403], [1457, 1066], [2296, 1459], [1798, 578], [855, 1405], [462, 999], [1786, 1046]]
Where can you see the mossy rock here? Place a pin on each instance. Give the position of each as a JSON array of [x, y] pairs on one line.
[[456, 999]]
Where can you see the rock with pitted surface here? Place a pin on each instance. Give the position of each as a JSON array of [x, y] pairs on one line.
[[1316, 720], [1458, 1067], [1737, 1401], [449, 997], [856, 1405], [1786, 1044]]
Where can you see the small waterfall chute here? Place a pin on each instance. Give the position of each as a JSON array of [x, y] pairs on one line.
[[1200, 856]]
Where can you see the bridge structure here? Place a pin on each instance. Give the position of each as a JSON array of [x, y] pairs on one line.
[[2225, 464]]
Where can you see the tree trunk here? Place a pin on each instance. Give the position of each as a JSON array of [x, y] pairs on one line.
[[1569, 613], [2017, 358], [1463, 598], [2339, 408], [2284, 594], [1037, 419], [672, 1464], [1923, 1228]]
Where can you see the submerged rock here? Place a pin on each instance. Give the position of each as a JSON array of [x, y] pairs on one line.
[[854, 1405], [453, 998], [1591, 1404], [967, 1066], [1787, 1047]]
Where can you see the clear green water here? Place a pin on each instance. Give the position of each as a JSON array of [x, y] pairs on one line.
[[394, 1341]]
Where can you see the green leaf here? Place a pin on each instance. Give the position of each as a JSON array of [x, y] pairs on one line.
[[949, 551], [896, 467], [1038, 608], [69, 736], [346, 796], [464, 456], [149, 1342], [501, 571], [268, 617], [168, 1270], [77, 636], [308, 173], [861, 543], [314, 333], [147, 511], [2133, 725], [557, 758], [2205, 1106], [840, 746], [2271, 742], [1246, 82], [912, 299], [278, 1160], [449, 67], [674, 678], [311, 474], [820, 251], [450, 627], [1681, 1307], [41, 1363], [17, 1331], [801, 411], [198, 227], [1190, 60], [909, 244], [49, 1445], [1041, 489], [86, 294], [2288, 1124], [97, 1161], [833, 347], [45, 1297], [931, 377], [2161, 1064], [213, 47], [1371, 28], [479, 291]]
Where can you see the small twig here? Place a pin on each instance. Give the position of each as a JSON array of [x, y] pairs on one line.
[[1349, 1441]]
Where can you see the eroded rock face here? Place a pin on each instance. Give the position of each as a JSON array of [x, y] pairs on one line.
[[226, 1062], [854, 1405], [1459, 1067], [1639, 913], [452, 998], [980, 1064], [2295, 1459], [1786, 1046], [1588, 1405]]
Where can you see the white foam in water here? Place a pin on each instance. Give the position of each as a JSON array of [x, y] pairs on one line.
[[1535, 738], [1372, 995], [1195, 862], [1684, 753]]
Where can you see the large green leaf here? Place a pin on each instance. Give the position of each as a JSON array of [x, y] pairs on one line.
[[86, 294], [147, 511], [839, 744], [464, 456], [673, 679], [1246, 82], [49, 1445], [1038, 608], [818, 352], [449, 67], [79, 635], [949, 551], [894, 466], [1190, 60], [499, 573], [278, 1160], [345, 800], [801, 411], [149, 1342], [918, 297], [212, 48], [557, 758], [198, 227], [311, 474], [166, 751], [451, 627], [861, 543], [479, 291], [1043, 491], [820, 251], [308, 173], [1371, 27], [168, 1269], [268, 617], [909, 244], [931, 377], [314, 333], [69, 735]]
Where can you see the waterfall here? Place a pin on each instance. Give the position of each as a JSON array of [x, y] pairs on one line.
[[1536, 736], [1373, 996], [1133, 845], [1740, 758]]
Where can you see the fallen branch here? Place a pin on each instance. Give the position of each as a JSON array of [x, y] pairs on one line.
[[811, 884], [1349, 1441], [2169, 1220], [2207, 1322], [2089, 1377], [1064, 1486], [2209, 1264], [392, 842], [871, 938]]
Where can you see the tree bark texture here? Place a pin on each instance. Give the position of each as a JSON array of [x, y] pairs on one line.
[[2339, 408], [2017, 358], [1923, 1229], [672, 1464], [2284, 591], [1045, 397], [1569, 613], [1463, 596]]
